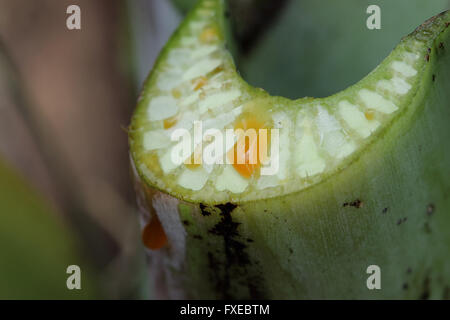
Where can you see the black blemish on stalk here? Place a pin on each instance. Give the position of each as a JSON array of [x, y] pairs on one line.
[[198, 237], [441, 45], [400, 221], [425, 295], [433, 77], [204, 210], [236, 258], [447, 24], [405, 286], [357, 204], [409, 270], [385, 210], [186, 223], [427, 57], [429, 50], [226, 208]]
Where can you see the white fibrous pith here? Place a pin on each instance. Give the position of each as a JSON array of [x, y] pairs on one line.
[[197, 81]]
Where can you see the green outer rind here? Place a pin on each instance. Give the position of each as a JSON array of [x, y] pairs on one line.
[[390, 207], [36, 248]]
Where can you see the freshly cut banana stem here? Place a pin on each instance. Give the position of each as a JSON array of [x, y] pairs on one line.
[[302, 196]]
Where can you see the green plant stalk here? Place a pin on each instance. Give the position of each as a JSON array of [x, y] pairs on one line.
[[390, 206]]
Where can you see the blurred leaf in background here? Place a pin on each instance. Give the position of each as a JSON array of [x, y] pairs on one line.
[[317, 47], [36, 247], [65, 100]]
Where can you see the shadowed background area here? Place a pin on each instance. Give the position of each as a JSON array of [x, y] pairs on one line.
[[65, 103], [66, 98]]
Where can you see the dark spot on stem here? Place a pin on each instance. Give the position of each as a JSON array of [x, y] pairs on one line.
[[405, 286], [226, 208], [385, 210], [204, 210], [186, 223], [429, 50], [198, 237], [409, 270], [441, 45], [357, 204], [433, 77], [426, 289], [430, 209], [427, 57], [237, 259], [400, 221]]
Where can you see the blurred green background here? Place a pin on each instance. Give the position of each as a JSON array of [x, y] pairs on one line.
[[66, 99]]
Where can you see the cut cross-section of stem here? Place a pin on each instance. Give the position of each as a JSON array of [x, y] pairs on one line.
[[305, 194]]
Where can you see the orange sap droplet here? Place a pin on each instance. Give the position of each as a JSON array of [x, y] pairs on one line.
[[199, 83], [209, 34], [249, 167], [369, 115], [153, 235], [170, 122], [195, 160]]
